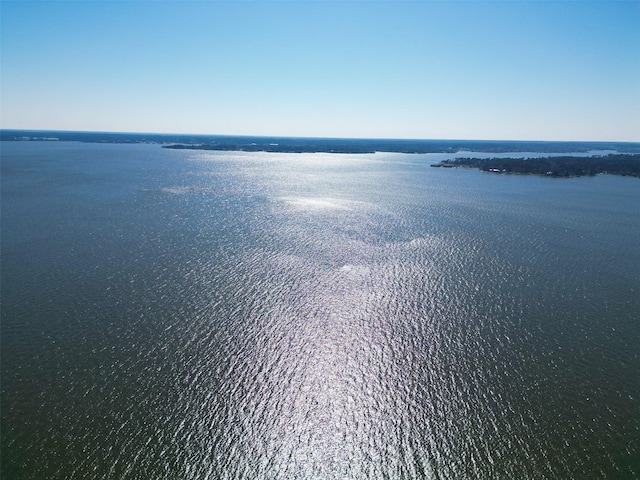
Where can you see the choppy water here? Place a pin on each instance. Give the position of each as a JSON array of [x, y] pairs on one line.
[[183, 314]]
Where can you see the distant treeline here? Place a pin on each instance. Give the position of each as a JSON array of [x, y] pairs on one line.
[[313, 145], [564, 166], [355, 145], [287, 147]]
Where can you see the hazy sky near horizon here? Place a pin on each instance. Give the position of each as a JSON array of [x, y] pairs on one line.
[[539, 70]]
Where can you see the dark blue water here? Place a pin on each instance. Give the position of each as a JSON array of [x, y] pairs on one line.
[[231, 315]]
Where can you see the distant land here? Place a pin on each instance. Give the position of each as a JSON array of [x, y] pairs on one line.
[[554, 166], [318, 145], [565, 159]]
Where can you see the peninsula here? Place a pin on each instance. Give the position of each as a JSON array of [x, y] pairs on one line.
[[557, 166]]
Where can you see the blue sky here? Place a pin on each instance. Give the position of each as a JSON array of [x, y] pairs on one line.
[[540, 70]]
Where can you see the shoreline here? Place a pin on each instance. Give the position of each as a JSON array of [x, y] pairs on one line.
[[567, 166], [280, 144]]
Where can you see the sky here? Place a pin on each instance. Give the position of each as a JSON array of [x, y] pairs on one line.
[[501, 70]]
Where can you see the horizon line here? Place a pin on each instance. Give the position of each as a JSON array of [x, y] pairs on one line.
[[319, 137]]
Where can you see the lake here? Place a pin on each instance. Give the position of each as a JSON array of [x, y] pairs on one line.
[[250, 315]]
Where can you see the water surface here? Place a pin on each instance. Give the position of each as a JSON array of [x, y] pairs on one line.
[[232, 315]]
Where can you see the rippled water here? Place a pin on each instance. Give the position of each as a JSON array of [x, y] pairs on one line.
[[184, 314]]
